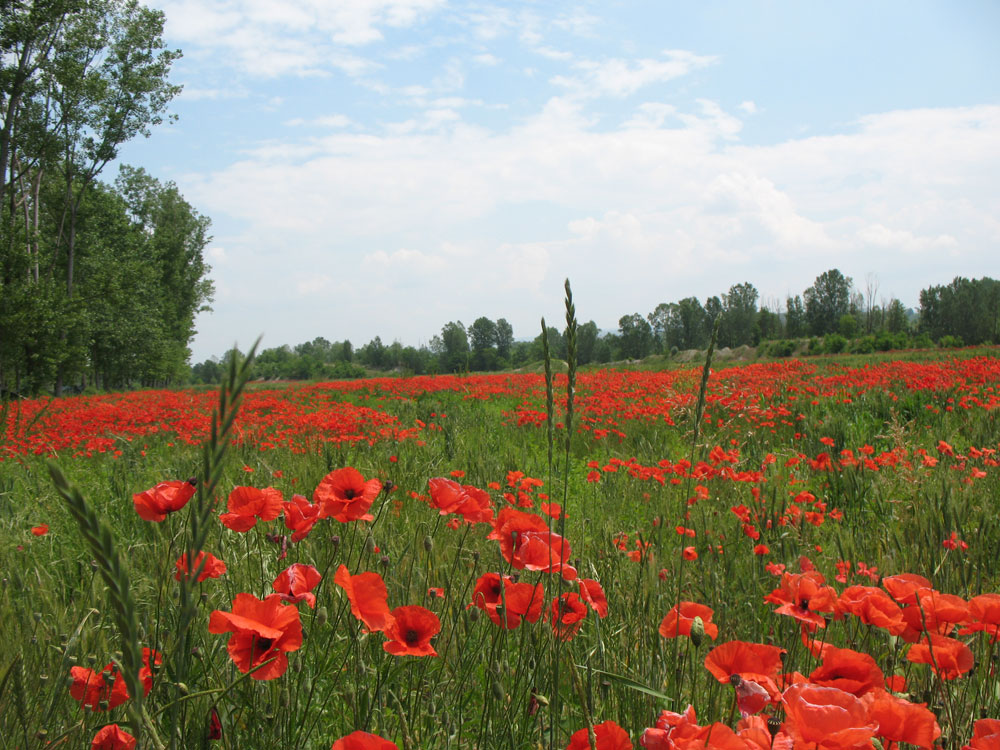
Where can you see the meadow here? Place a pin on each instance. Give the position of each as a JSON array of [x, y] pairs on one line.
[[767, 555]]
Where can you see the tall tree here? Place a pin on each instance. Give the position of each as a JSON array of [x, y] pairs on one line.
[[505, 338], [454, 347], [795, 317], [826, 301], [740, 314], [636, 336]]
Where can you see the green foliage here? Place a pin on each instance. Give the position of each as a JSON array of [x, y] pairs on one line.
[[826, 301]]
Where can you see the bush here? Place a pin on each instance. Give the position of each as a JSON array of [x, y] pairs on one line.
[[950, 342], [781, 348], [923, 341], [864, 345], [834, 343]]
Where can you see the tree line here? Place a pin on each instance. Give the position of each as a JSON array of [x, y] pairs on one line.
[[832, 314], [99, 283]]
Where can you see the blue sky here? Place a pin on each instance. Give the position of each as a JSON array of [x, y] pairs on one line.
[[381, 167]]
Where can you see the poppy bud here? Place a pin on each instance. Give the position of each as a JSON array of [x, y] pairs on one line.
[[286, 698], [322, 616], [697, 631], [370, 545], [335, 541], [385, 561], [193, 481], [498, 692], [389, 485], [182, 688], [473, 614], [428, 543], [38, 616]]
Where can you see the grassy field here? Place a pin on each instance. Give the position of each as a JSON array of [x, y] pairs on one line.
[[498, 568]]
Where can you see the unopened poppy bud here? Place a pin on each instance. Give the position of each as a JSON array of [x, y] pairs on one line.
[[322, 616], [385, 561], [541, 699], [473, 614], [428, 543], [498, 692], [286, 698], [38, 616], [196, 652], [183, 689], [335, 541], [370, 545], [697, 631], [389, 485]]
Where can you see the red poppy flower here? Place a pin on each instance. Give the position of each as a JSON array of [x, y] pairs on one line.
[[108, 687], [567, 616], [300, 516], [751, 696], [472, 503], [101, 691], [681, 616], [743, 658], [934, 612], [848, 670], [984, 615], [826, 717], [754, 731], [904, 587], [295, 584], [690, 553], [607, 736], [368, 596], [213, 566], [507, 603], [985, 735], [40, 530], [902, 721], [344, 494], [166, 497], [874, 607], [112, 737], [948, 657], [363, 741], [593, 593], [803, 596], [411, 631], [263, 632], [247, 505], [214, 726]]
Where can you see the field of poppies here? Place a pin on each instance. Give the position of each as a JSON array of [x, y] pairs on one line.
[[775, 555]]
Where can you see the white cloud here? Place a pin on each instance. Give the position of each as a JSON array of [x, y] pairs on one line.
[[666, 205], [270, 38], [325, 121], [310, 285], [619, 78]]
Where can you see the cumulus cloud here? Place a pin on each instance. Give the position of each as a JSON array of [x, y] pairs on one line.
[[618, 78], [279, 37]]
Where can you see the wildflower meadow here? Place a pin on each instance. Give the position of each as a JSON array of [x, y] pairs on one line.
[[773, 555]]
